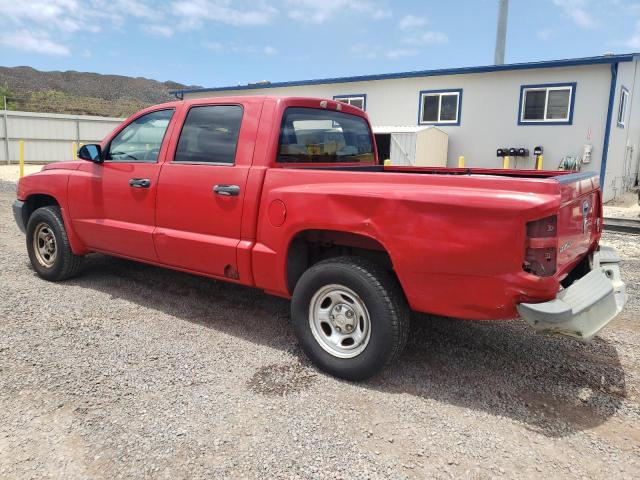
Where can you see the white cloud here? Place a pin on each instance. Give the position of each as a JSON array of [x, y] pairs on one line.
[[38, 21], [193, 12], [427, 38], [55, 14], [400, 52], [137, 8], [411, 21], [577, 11], [434, 37], [362, 50], [544, 35], [320, 11], [159, 30], [371, 52], [37, 42], [49, 26], [237, 48], [634, 40], [381, 13]]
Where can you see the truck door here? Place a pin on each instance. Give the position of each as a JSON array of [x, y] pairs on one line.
[[112, 204], [202, 188]]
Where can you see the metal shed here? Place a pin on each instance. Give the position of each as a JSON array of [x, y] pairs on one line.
[[422, 146]]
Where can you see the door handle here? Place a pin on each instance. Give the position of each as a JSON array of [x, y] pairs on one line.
[[139, 182], [227, 190]]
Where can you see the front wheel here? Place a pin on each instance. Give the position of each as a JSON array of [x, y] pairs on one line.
[[350, 317], [48, 245]]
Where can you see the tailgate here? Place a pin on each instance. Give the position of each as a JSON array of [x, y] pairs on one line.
[[579, 218]]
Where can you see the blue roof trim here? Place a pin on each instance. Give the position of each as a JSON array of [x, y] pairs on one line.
[[572, 62]]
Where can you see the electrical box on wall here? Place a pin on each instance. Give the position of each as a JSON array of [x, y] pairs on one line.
[[586, 153]]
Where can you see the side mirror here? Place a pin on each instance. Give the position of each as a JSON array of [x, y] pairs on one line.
[[90, 152]]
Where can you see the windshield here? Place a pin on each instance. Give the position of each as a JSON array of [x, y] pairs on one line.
[[310, 135]]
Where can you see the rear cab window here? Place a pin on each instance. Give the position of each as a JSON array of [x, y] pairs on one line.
[[310, 135]]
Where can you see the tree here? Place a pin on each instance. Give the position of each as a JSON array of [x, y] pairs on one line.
[[11, 98]]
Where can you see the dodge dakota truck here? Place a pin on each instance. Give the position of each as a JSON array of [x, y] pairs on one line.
[[287, 195]]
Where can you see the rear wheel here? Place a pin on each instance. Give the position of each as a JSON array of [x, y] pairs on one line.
[[48, 245], [350, 317]]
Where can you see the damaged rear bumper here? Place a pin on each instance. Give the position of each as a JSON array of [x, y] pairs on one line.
[[587, 306]]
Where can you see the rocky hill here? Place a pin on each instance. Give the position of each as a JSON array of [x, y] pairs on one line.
[[81, 92]]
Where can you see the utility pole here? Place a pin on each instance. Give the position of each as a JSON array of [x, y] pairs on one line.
[[6, 133], [501, 31]]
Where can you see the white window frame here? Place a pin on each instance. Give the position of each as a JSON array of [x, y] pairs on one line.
[[440, 93], [348, 98], [623, 106], [567, 120]]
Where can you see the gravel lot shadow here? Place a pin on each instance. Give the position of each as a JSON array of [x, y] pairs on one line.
[[553, 385]]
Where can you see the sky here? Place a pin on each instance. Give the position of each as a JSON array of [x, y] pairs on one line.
[[225, 42]]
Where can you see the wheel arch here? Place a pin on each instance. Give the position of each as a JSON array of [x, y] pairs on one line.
[[35, 201], [310, 246]]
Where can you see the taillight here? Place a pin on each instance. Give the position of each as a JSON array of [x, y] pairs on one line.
[[543, 228], [541, 248]]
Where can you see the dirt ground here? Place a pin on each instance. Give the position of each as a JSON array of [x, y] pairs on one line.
[[10, 173], [626, 206], [132, 371]]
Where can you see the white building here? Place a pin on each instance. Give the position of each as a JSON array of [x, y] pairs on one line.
[[584, 108]]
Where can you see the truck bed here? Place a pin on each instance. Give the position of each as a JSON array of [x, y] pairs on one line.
[[562, 176]]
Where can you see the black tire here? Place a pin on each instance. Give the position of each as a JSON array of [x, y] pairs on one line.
[[384, 301], [65, 264]]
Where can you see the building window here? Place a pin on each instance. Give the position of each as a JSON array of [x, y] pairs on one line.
[[358, 100], [622, 106], [547, 104], [440, 107]]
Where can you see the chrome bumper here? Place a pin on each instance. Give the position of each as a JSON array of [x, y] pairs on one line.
[[587, 306]]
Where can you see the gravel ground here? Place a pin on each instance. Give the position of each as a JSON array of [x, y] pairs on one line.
[[133, 371], [625, 207], [10, 173]]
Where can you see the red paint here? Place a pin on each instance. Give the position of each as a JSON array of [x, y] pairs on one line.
[[456, 237]]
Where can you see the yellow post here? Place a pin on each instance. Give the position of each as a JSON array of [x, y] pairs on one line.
[[505, 162], [539, 161], [21, 144], [74, 150], [461, 161], [387, 162]]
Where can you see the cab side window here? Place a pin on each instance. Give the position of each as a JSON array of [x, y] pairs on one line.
[[210, 135], [140, 141]]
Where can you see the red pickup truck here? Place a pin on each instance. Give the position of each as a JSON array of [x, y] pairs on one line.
[[287, 195]]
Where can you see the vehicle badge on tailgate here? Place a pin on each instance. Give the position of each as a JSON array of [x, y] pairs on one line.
[[585, 215]]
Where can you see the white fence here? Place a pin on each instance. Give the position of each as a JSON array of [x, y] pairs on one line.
[[49, 137]]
